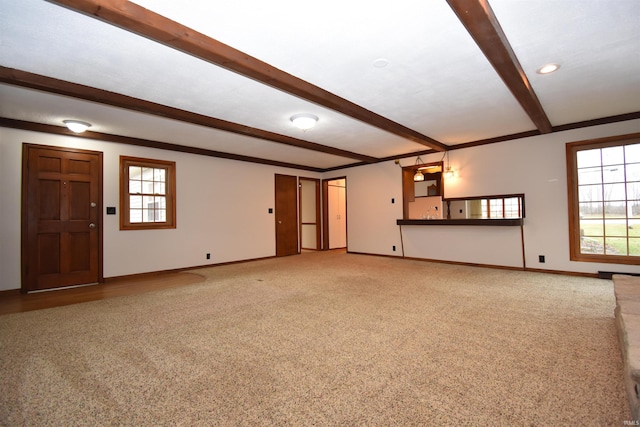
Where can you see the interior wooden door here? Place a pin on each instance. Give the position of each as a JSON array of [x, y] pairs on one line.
[[286, 187], [61, 223]]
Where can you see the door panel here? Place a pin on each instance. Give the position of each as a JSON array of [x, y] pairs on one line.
[[49, 203], [48, 253], [79, 201], [286, 215], [61, 231]]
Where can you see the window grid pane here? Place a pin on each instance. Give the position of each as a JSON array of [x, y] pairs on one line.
[[590, 193], [512, 207], [634, 246], [592, 228], [144, 184], [496, 210], [615, 246], [590, 176]]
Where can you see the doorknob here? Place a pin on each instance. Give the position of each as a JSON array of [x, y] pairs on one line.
[[92, 225], [279, 222], [93, 204]]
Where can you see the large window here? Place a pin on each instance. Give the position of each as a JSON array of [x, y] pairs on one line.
[[147, 193], [604, 199]]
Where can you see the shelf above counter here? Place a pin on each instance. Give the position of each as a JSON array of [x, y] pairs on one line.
[[510, 222]]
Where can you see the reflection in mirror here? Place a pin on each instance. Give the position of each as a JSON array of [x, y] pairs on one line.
[[486, 207], [426, 188], [423, 199]]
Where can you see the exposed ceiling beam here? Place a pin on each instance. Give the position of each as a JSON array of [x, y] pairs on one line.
[[61, 87], [158, 28], [479, 19], [98, 136]]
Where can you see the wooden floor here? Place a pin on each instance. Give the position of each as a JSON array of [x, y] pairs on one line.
[[15, 302]]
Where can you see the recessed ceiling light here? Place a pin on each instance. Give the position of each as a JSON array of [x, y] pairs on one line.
[[304, 121], [76, 125], [549, 68], [381, 62]]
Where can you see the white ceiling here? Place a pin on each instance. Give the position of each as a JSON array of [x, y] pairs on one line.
[[437, 81]]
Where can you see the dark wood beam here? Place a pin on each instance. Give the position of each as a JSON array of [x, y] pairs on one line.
[[597, 122], [97, 136], [479, 19], [158, 28], [61, 87]]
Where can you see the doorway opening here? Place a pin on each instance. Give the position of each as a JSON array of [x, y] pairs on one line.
[[310, 226], [334, 196]]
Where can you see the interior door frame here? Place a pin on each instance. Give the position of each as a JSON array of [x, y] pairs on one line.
[[325, 212], [25, 207], [318, 222]]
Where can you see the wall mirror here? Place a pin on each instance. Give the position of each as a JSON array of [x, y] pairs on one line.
[[423, 198], [501, 206]]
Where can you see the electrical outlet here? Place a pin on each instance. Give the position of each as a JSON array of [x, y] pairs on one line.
[[394, 248], [541, 258], [208, 256]]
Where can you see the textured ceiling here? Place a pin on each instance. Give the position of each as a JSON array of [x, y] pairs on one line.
[[437, 81]]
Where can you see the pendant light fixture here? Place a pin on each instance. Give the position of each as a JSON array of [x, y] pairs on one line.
[[418, 176], [448, 172]]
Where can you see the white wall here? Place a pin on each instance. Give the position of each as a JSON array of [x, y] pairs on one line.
[[534, 166], [222, 209]]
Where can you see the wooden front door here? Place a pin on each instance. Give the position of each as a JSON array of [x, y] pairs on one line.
[[286, 215], [61, 217]]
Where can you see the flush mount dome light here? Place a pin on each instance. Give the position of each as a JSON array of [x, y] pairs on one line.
[[547, 69], [304, 121], [381, 62], [76, 125]]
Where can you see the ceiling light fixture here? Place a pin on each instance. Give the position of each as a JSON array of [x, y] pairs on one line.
[[381, 62], [548, 69], [304, 121], [418, 175], [76, 125]]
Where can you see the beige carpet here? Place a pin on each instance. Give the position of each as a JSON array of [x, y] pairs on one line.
[[323, 339]]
